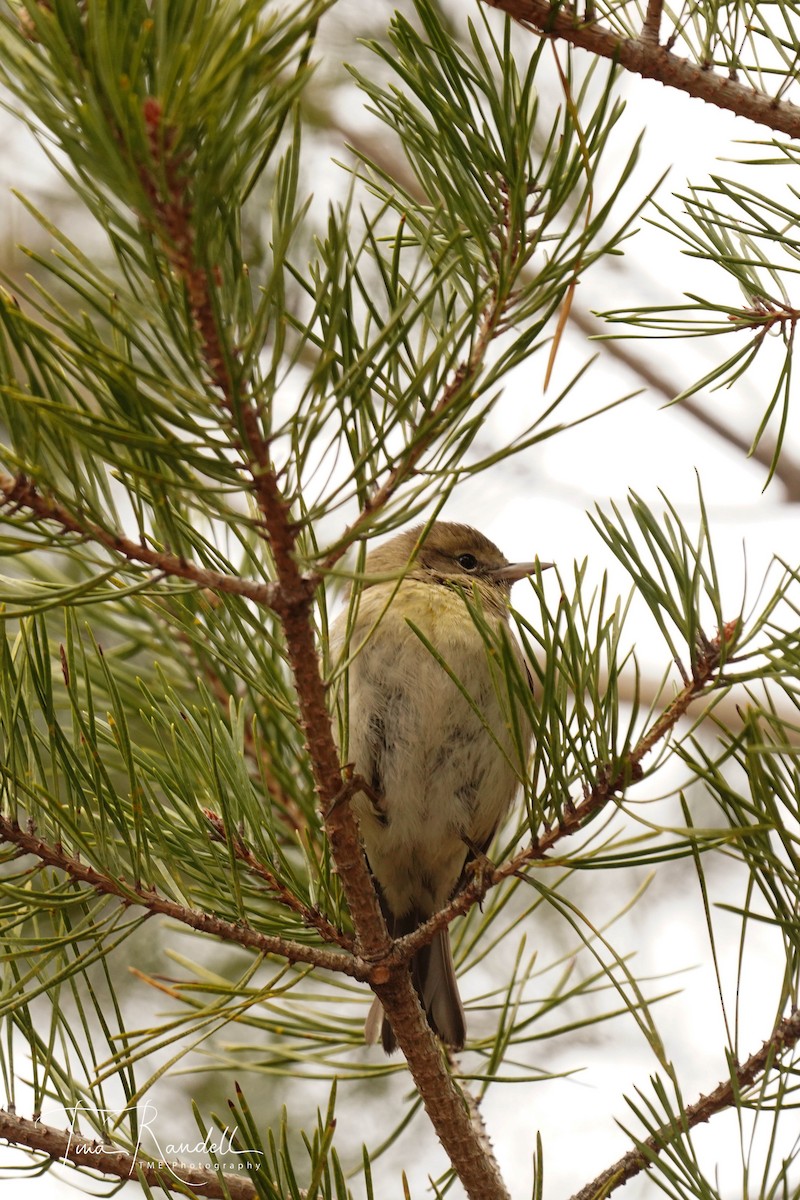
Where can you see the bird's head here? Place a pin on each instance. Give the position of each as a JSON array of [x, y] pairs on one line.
[[451, 555]]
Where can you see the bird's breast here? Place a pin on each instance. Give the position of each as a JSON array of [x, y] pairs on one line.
[[432, 738]]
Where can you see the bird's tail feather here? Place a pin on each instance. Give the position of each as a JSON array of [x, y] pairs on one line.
[[434, 977]]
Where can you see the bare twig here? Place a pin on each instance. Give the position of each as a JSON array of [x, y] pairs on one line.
[[68, 1146], [645, 57], [785, 1036]]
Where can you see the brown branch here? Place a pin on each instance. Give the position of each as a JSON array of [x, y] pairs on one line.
[[311, 917], [389, 976], [172, 215], [67, 1146], [172, 210], [644, 57], [293, 603], [652, 21], [135, 893], [450, 1111], [21, 493], [476, 1168], [785, 1036], [294, 608], [292, 599]]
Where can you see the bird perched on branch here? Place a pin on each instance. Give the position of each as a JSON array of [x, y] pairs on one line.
[[429, 722]]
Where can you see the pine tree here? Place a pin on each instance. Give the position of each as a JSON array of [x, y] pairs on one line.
[[207, 410]]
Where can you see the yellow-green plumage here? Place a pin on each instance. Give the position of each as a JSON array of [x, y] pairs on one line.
[[442, 775]]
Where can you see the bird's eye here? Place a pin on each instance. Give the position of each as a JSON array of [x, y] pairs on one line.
[[468, 561]]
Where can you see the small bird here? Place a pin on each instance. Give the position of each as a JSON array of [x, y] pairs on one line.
[[440, 758]]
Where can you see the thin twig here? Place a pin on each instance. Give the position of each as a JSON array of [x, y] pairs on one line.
[[311, 917], [787, 469], [652, 21], [489, 324], [21, 493], [651, 61], [407, 462], [726, 1095], [28, 842]]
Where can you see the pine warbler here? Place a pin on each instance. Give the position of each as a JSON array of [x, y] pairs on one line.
[[439, 757]]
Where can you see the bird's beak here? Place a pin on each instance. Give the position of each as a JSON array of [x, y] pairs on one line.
[[516, 571]]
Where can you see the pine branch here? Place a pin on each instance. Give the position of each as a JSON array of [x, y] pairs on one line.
[[180, 215], [65, 1145], [285, 805], [148, 898], [172, 210], [726, 1095], [451, 1112], [489, 325], [22, 493], [477, 1169], [313, 918], [644, 56], [170, 221], [293, 602], [293, 597], [787, 468]]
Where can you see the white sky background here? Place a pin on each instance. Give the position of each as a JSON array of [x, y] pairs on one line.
[[537, 505]]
